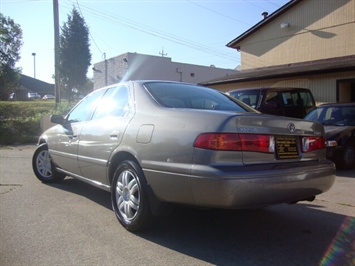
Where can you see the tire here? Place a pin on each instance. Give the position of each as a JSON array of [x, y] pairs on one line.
[[347, 160], [43, 166], [129, 196]]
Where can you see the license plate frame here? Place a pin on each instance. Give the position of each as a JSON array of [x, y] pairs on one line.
[[286, 147]]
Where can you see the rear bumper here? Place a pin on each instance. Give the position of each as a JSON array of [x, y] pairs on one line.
[[257, 186]]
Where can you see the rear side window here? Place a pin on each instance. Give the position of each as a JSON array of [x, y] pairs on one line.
[[250, 97], [114, 103], [297, 98], [307, 99], [179, 95]]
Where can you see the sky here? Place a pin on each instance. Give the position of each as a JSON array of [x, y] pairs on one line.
[[187, 31]]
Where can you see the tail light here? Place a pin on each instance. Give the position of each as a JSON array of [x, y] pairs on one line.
[[235, 142], [312, 143], [251, 142], [331, 143]]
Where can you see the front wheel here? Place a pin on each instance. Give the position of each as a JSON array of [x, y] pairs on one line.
[[130, 199], [43, 167]]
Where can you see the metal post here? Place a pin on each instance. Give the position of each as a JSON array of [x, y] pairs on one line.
[[56, 51], [34, 65]]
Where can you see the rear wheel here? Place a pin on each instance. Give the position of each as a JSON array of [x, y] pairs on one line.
[[347, 160], [43, 167], [130, 199]]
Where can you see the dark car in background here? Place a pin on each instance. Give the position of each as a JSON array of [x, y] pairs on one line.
[[291, 102], [339, 124], [157, 143]]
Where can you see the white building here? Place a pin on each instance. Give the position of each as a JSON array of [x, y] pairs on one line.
[[133, 66]]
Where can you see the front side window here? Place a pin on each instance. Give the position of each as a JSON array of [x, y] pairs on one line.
[[340, 116], [333, 115], [83, 111]]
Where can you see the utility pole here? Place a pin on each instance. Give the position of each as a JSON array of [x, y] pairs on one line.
[[162, 52], [34, 72], [34, 65], [56, 52]]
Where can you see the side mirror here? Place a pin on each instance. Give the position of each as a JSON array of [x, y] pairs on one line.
[[57, 119]]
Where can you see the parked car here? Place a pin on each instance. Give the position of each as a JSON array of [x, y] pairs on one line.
[[12, 97], [339, 123], [33, 96], [292, 102], [48, 97], [157, 143]]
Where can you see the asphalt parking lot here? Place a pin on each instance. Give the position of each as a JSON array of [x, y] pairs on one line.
[[72, 223]]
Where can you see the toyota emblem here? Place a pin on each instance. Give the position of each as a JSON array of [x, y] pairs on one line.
[[291, 127]]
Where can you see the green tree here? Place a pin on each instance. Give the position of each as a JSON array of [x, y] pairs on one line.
[[74, 53], [10, 45]]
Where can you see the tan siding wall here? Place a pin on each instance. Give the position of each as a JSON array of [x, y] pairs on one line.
[[318, 29], [323, 86]]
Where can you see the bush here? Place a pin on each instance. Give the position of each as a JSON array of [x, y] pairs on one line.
[[20, 121]]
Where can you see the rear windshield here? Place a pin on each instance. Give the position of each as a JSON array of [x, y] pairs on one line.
[[180, 95]]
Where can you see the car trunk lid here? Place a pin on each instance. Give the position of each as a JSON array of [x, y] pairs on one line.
[[289, 138]]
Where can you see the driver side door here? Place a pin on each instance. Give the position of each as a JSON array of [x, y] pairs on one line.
[[63, 143]]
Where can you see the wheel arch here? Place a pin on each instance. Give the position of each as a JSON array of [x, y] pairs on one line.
[[116, 160], [41, 141], [158, 208]]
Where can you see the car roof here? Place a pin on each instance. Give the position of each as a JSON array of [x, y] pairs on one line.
[[141, 82], [336, 104], [272, 89]]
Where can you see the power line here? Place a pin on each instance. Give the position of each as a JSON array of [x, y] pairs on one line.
[[214, 11], [273, 3], [89, 30], [154, 32], [106, 16]]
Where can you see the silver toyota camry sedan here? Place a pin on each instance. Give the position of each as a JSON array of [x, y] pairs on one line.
[[154, 144]]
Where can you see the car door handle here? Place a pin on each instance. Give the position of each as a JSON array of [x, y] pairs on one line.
[[114, 135]]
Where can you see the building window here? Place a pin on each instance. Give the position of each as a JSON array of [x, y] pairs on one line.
[[192, 74]]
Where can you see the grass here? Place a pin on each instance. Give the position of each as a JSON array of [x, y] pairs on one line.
[[20, 121]]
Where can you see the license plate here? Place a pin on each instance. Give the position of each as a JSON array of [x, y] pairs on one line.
[[286, 148]]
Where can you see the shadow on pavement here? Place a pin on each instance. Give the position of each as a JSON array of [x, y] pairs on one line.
[[301, 234]]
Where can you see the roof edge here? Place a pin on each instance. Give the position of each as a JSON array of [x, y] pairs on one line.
[[337, 64], [234, 43]]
